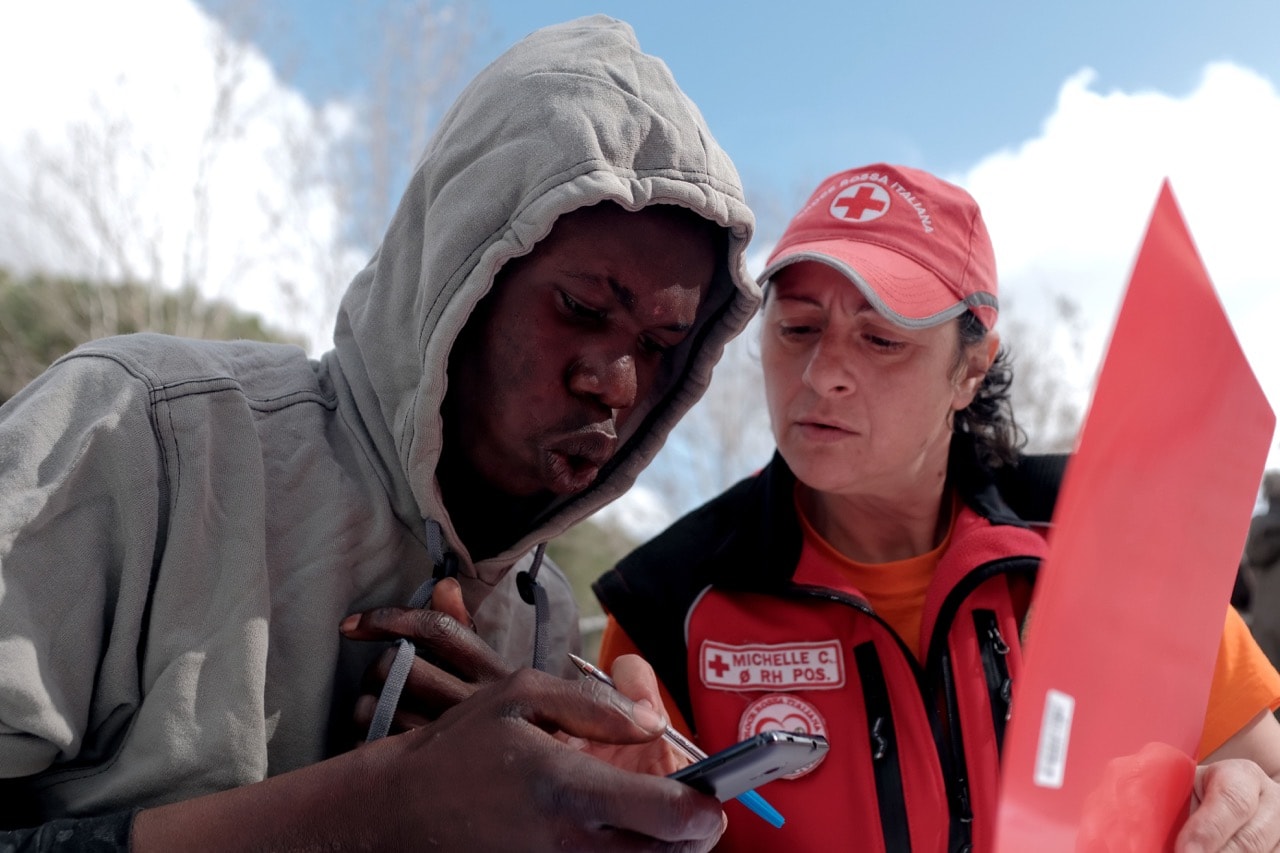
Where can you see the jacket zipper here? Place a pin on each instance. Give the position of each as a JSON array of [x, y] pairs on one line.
[[940, 666], [885, 763], [995, 665], [957, 774]]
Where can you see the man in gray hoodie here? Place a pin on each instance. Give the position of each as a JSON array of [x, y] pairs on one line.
[[185, 524]]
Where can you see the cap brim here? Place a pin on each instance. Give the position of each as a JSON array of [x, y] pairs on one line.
[[901, 290]]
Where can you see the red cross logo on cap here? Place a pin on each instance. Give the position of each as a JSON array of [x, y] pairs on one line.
[[860, 203]]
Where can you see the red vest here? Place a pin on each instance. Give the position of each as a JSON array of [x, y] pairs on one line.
[[915, 750]]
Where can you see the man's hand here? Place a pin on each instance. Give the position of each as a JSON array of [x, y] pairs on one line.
[[454, 662], [512, 785], [488, 775]]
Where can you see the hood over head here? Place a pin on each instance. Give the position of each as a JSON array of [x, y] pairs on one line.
[[572, 115]]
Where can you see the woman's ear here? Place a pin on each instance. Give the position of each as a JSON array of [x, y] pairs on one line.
[[977, 362]]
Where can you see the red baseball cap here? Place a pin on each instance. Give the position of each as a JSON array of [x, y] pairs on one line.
[[914, 244]]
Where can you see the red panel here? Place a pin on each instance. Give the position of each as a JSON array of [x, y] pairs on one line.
[[1148, 532]]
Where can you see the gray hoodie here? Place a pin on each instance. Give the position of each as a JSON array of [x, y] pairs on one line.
[[183, 524]]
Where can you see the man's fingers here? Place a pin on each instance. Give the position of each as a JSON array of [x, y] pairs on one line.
[[428, 689], [620, 802], [376, 675], [583, 708], [438, 636], [447, 598], [404, 719], [649, 807], [392, 623], [558, 796]]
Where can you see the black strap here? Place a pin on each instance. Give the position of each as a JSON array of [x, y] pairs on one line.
[[1030, 488]]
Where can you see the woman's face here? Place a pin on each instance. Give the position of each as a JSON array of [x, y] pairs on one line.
[[859, 406]]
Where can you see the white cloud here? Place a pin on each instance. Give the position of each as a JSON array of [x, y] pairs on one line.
[[1067, 210], [122, 109]]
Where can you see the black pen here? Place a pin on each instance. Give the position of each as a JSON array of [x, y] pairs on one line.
[[750, 799]]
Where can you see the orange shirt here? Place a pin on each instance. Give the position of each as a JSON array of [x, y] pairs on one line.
[[1244, 681], [895, 590]]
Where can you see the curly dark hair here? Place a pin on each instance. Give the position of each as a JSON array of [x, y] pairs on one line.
[[997, 438]]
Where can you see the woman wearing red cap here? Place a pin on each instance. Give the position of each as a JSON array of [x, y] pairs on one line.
[[873, 580]]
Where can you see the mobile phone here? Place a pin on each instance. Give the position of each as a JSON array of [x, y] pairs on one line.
[[749, 764]]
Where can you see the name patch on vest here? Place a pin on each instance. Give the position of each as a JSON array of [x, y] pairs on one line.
[[808, 666]]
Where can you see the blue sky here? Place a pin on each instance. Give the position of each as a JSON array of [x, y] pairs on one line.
[[797, 90]]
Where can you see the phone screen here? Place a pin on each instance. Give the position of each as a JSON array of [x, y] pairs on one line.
[[751, 763]]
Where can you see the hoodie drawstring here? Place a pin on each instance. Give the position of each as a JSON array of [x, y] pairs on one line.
[[446, 566], [534, 593]]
